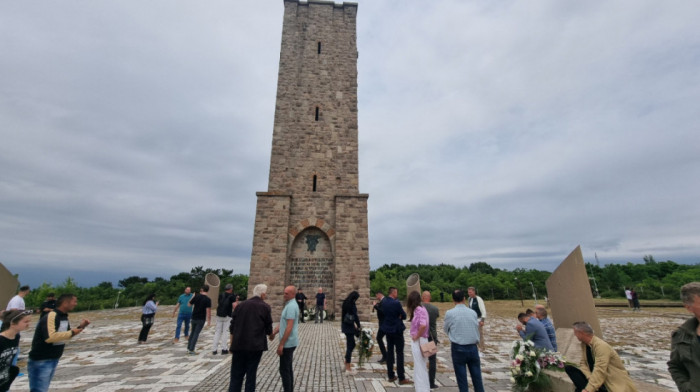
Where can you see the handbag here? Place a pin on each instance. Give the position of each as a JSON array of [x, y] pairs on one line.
[[428, 349], [147, 319], [349, 319]]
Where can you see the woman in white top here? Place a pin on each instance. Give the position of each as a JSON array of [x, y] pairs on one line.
[[147, 317]]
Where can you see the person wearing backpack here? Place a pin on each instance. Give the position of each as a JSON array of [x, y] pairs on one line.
[[223, 320]]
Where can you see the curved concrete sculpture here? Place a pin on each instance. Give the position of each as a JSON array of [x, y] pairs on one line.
[[213, 281], [413, 284]]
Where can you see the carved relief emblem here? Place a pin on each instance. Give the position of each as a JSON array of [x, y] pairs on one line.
[[312, 241]]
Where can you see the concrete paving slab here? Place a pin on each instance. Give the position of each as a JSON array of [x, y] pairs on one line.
[[107, 358]]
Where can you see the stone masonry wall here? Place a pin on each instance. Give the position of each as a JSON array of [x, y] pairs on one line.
[[352, 252], [314, 161], [267, 263]]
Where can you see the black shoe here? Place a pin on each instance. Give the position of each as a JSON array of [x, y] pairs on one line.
[[392, 379], [434, 386], [214, 353], [382, 361], [224, 352]]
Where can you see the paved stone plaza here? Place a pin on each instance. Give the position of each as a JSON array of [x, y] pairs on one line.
[[106, 356]]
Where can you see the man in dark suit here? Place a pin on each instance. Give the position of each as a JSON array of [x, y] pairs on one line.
[[380, 317], [393, 327], [251, 322]]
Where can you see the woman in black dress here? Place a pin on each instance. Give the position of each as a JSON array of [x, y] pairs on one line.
[[350, 325]]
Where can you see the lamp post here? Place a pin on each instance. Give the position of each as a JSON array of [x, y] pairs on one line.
[[116, 304], [534, 293], [521, 292]]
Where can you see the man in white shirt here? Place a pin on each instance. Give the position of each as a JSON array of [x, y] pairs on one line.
[[17, 302], [628, 295], [477, 304]]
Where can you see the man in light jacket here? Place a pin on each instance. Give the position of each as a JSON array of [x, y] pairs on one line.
[[601, 369]]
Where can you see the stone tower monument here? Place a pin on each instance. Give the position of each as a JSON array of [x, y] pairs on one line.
[[311, 224]]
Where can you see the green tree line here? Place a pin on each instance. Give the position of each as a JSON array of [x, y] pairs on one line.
[[132, 291], [651, 280]]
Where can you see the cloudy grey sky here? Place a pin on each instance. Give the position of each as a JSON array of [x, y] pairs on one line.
[[134, 135]]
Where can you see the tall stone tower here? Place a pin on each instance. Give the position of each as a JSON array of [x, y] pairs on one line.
[[311, 224]]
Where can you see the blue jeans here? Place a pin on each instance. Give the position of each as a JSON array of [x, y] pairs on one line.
[[463, 357], [186, 318], [197, 326], [40, 374]]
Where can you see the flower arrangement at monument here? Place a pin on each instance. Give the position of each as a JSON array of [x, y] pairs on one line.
[[366, 345], [527, 363]]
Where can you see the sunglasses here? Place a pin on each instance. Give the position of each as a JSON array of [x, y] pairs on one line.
[[26, 312]]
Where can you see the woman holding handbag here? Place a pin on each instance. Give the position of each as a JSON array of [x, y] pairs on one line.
[[419, 337], [350, 327], [148, 314]]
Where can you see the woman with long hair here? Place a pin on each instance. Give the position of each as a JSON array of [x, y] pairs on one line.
[[419, 335], [148, 315], [350, 325], [13, 322]]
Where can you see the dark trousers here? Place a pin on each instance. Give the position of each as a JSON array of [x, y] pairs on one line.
[[301, 312], [197, 326], [579, 379], [349, 346], [395, 345], [146, 323], [432, 365], [380, 342], [244, 364], [286, 370]]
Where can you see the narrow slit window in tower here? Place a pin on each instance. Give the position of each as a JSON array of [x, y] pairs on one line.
[[319, 47], [314, 183], [316, 113]]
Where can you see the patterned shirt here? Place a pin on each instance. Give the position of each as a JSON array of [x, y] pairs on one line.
[[462, 325]]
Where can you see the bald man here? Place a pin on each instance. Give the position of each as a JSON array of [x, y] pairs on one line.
[[289, 337], [433, 315]]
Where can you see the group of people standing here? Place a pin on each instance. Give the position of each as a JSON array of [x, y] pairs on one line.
[[462, 326], [194, 311], [632, 298]]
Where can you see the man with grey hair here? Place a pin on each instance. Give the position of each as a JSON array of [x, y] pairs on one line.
[[251, 321], [684, 364], [541, 314], [477, 304], [601, 369]]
